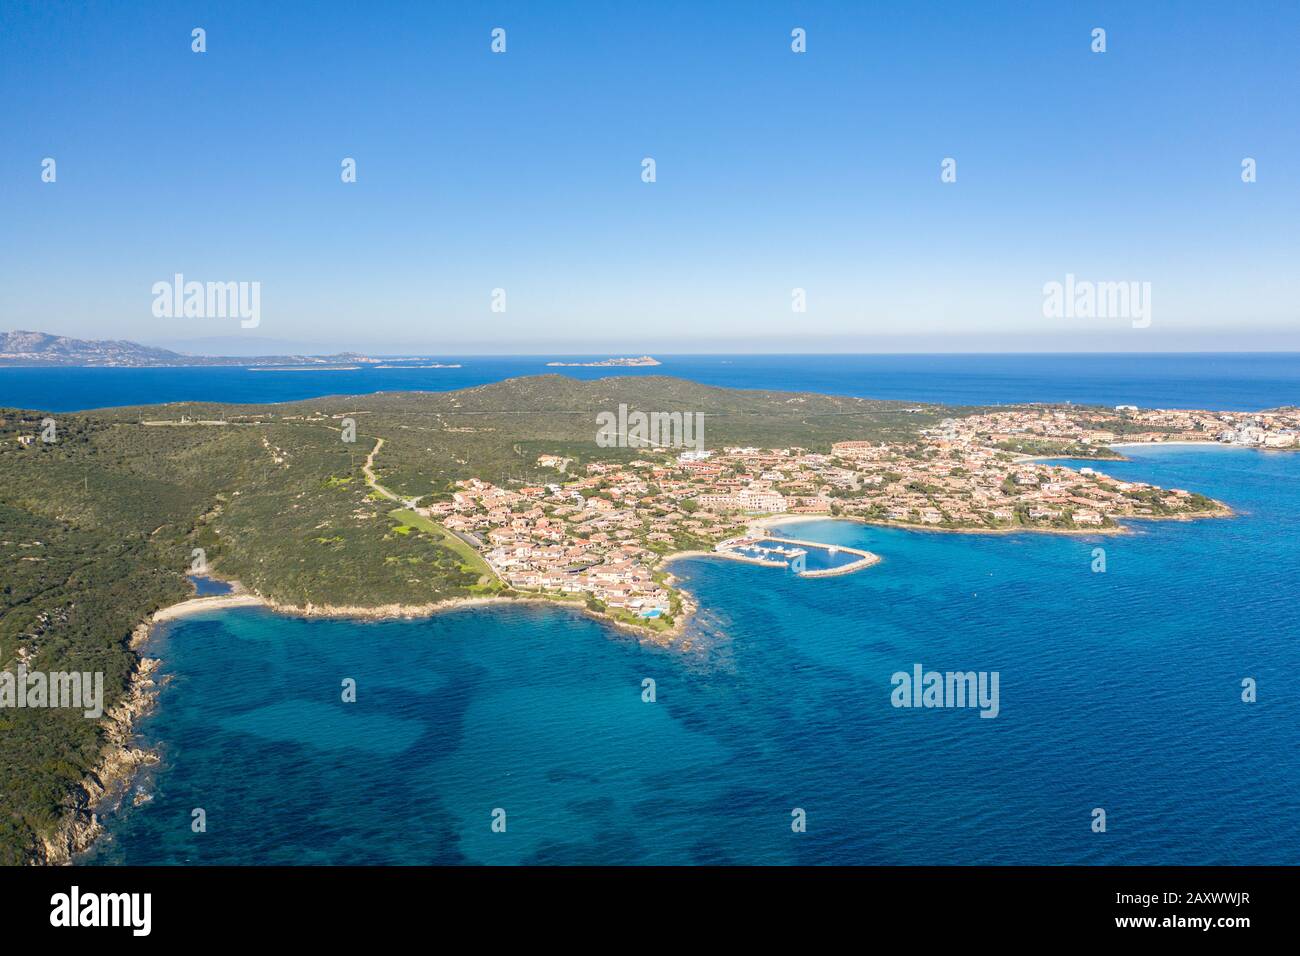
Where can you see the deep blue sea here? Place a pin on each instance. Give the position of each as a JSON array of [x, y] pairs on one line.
[[1234, 381], [1118, 690]]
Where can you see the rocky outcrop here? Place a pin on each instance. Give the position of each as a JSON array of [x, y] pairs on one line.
[[118, 764]]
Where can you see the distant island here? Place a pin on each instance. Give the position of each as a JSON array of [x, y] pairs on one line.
[[304, 368], [643, 360], [43, 350], [433, 365]]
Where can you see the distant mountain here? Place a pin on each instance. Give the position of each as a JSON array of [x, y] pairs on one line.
[[42, 349], [244, 344]]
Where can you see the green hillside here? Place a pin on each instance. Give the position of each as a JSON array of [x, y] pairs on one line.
[[98, 528]]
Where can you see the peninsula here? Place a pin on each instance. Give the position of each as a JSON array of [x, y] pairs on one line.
[[407, 503], [42, 350]]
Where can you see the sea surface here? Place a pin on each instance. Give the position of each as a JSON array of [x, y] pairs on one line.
[[1118, 689], [1228, 381]]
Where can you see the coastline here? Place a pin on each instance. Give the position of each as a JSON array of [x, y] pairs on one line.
[[198, 605], [867, 558], [859, 519], [1157, 444], [111, 778], [387, 612], [119, 762], [721, 554], [1223, 511]]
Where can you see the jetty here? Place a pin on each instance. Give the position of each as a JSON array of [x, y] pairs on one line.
[[770, 551], [865, 558]]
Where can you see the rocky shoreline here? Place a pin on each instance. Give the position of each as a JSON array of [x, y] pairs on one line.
[[120, 761], [118, 765]]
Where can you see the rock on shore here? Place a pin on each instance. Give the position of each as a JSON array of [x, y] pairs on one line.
[[119, 762]]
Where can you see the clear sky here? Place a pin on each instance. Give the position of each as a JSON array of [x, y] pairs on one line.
[[775, 170]]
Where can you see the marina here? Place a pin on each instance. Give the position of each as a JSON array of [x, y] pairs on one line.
[[807, 559]]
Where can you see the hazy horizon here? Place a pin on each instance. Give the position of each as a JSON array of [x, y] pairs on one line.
[[880, 346], [251, 345]]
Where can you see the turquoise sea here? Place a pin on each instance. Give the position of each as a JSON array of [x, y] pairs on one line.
[[1119, 690]]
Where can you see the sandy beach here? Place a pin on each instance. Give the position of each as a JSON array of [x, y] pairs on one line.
[[775, 521], [198, 605], [383, 612]]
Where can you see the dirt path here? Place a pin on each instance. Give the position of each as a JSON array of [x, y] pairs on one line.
[[368, 469]]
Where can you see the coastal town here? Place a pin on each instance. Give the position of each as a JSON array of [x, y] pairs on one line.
[[1100, 428], [602, 533]]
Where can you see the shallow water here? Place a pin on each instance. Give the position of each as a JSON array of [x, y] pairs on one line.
[[1119, 690]]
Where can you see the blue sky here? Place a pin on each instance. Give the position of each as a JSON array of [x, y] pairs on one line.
[[775, 170]]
